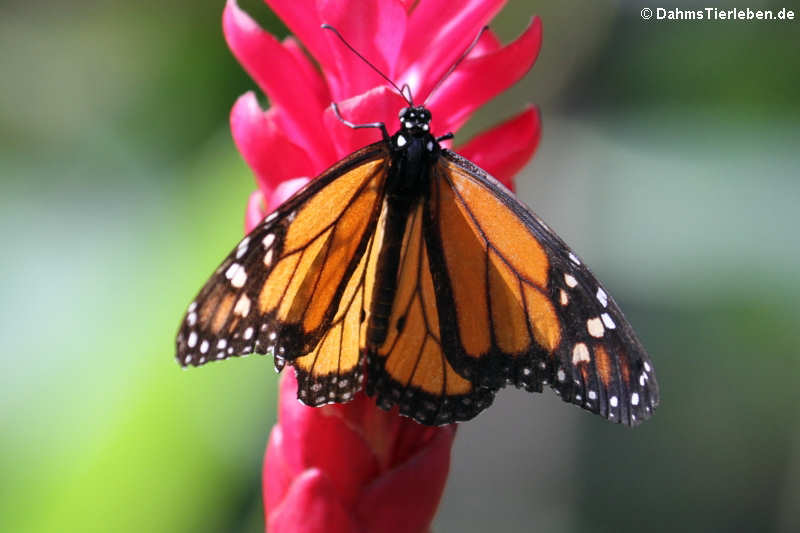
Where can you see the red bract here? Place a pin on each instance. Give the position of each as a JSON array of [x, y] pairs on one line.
[[353, 467]]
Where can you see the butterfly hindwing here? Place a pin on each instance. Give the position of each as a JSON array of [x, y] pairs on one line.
[[333, 370], [289, 286], [523, 307], [409, 368]]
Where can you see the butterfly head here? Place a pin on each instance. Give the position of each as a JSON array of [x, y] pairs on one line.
[[415, 120]]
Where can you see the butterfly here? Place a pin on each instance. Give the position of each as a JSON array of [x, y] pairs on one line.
[[407, 271]]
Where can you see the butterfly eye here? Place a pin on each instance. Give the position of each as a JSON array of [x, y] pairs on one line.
[[403, 113]]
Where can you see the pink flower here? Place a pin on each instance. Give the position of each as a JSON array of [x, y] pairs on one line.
[[299, 136], [353, 467]]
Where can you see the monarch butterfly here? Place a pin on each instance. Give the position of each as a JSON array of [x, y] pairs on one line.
[[407, 270]]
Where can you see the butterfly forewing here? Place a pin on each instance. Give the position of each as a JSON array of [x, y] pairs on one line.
[[533, 314], [280, 290]]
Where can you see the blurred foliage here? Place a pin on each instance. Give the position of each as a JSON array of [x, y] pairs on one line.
[[669, 160], [727, 68]]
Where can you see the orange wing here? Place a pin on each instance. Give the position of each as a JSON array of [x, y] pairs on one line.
[[409, 369], [290, 287], [517, 305]]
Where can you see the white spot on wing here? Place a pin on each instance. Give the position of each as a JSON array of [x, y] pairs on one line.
[[570, 281], [204, 347], [613, 401], [635, 398], [574, 258], [239, 277], [268, 240], [242, 248], [192, 340], [232, 270], [607, 321], [595, 327], [563, 298], [401, 141], [248, 333], [602, 297], [268, 257], [242, 307], [580, 353]]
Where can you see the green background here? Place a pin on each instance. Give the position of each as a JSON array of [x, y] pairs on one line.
[[669, 161]]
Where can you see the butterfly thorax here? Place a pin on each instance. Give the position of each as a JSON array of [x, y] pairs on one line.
[[413, 152]]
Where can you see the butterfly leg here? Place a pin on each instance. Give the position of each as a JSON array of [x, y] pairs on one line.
[[349, 124]]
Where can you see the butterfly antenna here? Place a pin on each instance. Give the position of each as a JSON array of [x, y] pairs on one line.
[[456, 64], [373, 67], [410, 97]]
